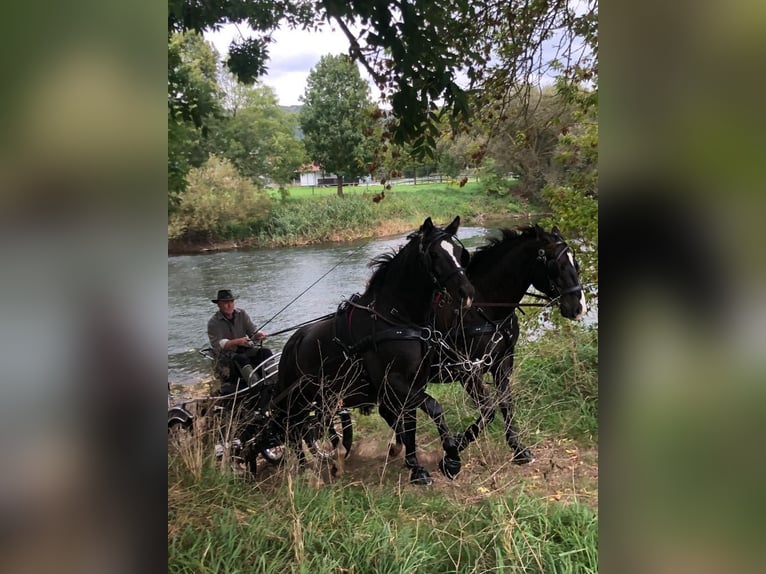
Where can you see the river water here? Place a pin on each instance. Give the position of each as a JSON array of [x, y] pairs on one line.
[[267, 280]]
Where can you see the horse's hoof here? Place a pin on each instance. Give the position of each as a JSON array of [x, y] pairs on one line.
[[395, 449], [523, 456], [449, 445], [450, 467], [421, 477]]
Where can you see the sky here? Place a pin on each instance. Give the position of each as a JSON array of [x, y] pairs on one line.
[[292, 56]]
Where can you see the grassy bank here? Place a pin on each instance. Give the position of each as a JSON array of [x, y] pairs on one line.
[[321, 216], [359, 529], [495, 517]]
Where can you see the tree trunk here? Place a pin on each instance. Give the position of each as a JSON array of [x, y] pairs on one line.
[[340, 186]]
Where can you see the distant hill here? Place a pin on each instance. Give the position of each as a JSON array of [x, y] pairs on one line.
[[292, 109]]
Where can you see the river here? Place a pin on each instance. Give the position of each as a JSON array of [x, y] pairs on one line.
[[266, 281]]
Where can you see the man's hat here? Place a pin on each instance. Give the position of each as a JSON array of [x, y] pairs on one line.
[[224, 295]]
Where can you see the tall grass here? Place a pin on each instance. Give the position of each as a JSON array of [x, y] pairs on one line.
[[225, 526], [218, 522], [556, 382]]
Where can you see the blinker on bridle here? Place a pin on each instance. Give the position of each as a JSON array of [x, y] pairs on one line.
[[424, 248], [543, 259]]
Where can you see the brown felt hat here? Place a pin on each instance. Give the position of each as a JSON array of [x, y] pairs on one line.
[[224, 295]]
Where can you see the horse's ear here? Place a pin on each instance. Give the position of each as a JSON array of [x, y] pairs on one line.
[[555, 231], [453, 227], [539, 231], [427, 226]]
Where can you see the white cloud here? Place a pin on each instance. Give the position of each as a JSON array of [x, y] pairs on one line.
[[293, 54]]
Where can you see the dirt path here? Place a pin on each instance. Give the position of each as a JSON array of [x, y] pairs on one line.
[[562, 471]]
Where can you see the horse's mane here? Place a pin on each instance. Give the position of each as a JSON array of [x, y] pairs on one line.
[[380, 265], [509, 239]]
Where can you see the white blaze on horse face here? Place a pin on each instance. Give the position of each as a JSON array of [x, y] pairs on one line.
[[583, 306], [449, 249]]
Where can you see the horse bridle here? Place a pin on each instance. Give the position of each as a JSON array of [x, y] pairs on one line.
[[440, 284], [541, 256]]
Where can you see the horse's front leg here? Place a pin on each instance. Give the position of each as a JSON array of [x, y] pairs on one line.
[[502, 377], [450, 465], [477, 391], [434, 410], [404, 424]]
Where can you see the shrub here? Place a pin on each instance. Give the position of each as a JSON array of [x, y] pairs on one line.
[[218, 204], [492, 182]]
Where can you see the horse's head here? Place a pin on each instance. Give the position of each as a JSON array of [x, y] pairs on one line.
[[446, 259], [556, 273]]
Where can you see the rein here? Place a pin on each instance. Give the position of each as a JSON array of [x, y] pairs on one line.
[[294, 327], [302, 293]]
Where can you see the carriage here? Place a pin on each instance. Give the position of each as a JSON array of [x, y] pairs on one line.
[[241, 432]]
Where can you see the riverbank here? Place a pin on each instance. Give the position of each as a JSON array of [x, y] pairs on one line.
[[311, 220], [381, 229]]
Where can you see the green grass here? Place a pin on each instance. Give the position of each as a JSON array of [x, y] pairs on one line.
[[296, 220], [230, 527], [218, 523], [300, 192]]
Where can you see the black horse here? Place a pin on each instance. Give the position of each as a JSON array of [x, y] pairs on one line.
[[375, 349], [482, 339]]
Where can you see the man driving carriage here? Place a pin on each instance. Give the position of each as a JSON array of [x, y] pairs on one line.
[[232, 336]]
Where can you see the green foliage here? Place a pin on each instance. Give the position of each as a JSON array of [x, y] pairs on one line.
[[524, 133], [193, 103], [572, 195], [258, 137], [218, 204], [321, 219], [336, 117], [492, 182], [556, 378], [414, 53]]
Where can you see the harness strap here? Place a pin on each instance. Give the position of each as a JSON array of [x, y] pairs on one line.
[[386, 335], [395, 332]]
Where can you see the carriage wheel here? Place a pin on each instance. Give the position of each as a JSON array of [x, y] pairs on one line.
[[273, 455], [322, 446]]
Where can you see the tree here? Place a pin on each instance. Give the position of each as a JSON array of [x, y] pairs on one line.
[[428, 57], [219, 204], [193, 103], [524, 137], [572, 192], [258, 136], [336, 115]]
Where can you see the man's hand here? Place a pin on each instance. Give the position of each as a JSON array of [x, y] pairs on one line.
[[259, 335]]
